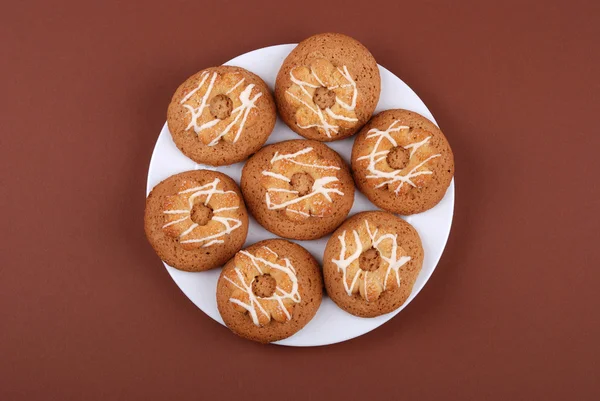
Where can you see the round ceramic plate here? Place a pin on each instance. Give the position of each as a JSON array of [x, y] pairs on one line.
[[330, 324]]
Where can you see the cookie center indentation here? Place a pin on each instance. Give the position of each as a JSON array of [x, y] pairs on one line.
[[369, 260], [201, 214], [220, 106], [324, 98], [398, 158], [264, 286], [302, 182]]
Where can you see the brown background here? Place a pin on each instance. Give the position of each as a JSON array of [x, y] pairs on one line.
[[87, 310]]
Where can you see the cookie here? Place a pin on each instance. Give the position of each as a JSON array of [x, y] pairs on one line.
[[327, 87], [298, 189], [221, 115], [269, 290], [196, 220], [371, 263], [402, 162]]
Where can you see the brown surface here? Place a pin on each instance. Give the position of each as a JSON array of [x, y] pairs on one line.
[[88, 311]]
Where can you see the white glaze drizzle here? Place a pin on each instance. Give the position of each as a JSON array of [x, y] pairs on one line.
[[210, 190], [288, 191], [319, 185], [377, 156], [317, 188], [275, 175], [343, 262], [299, 212], [291, 157], [365, 286], [338, 117], [235, 86], [393, 261], [242, 111], [254, 306], [324, 124], [176, 221], [204, 75], [195, 113], [351, 82]]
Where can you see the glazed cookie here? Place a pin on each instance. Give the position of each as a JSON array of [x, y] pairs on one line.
[[196, 220], [371, 263], [327, 87], [269, 291], [298, 189], [221, 115], [402, 162]]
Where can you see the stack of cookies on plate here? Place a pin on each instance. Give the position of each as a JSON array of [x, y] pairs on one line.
[[327, 89]]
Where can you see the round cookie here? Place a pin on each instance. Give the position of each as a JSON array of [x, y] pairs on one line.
[[196, 220], [269, 290], [402, 162], [221, 115], [327, 87], [371, 263], [298, 189]]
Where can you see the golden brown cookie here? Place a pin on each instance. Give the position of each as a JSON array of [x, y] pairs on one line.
[[269, 290], [402, 162], [196, 220], [221, 115], [298, 189], [327, 87], [371, 263]]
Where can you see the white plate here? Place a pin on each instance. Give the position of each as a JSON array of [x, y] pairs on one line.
[[331, 324]]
